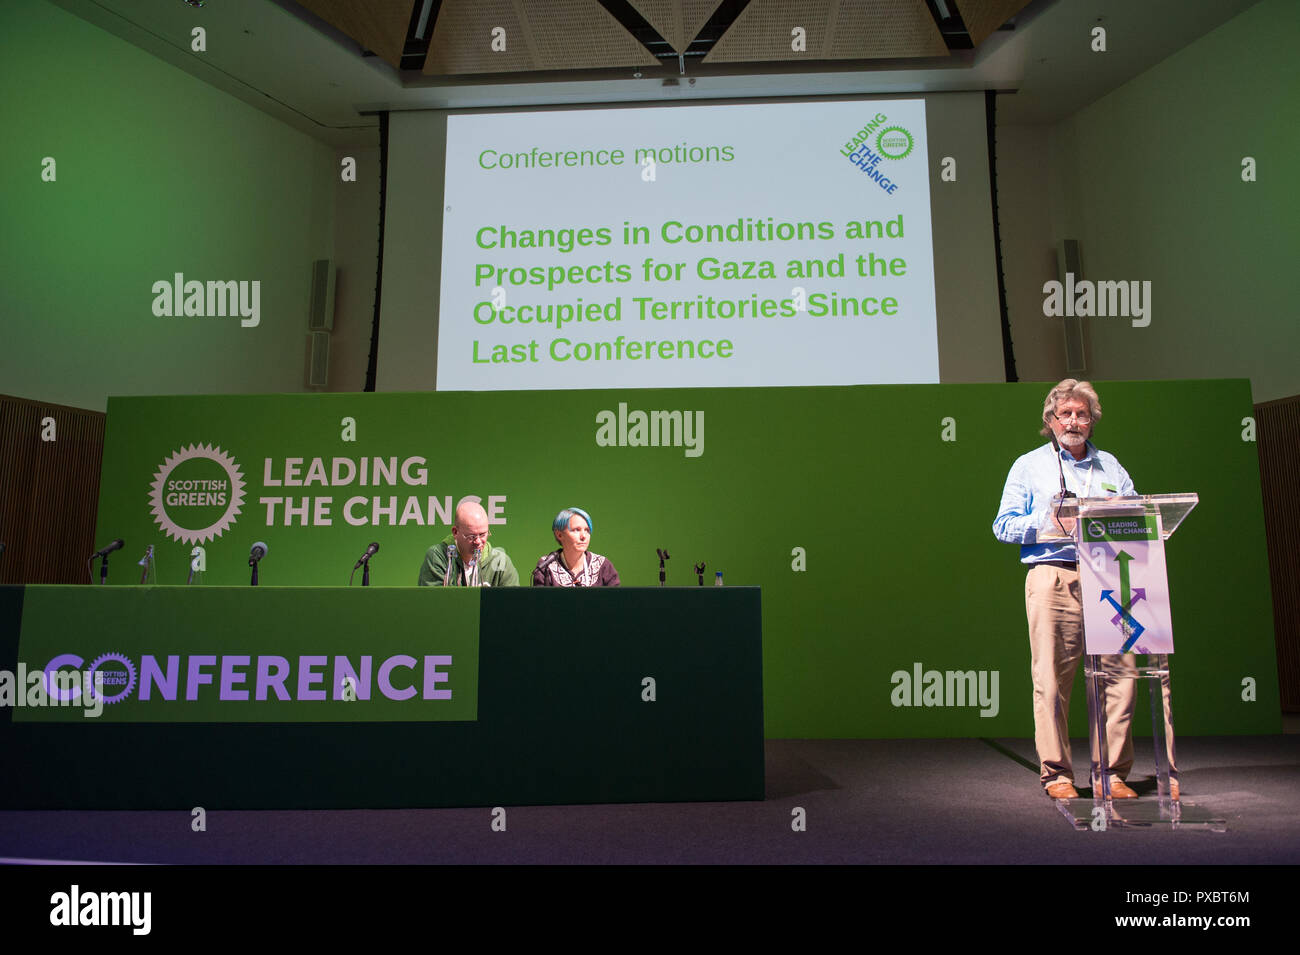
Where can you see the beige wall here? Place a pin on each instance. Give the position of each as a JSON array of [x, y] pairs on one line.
[[1148, 179], [156, 173]]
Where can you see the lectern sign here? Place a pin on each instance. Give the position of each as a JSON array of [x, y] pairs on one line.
[[1125, 589]]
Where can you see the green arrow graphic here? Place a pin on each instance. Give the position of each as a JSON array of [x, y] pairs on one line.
[[1123, 557]]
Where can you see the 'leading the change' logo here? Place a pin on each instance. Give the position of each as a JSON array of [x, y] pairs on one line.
[[197, 494]]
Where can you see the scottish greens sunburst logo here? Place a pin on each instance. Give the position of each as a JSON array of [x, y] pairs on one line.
[[196, 494], [894, 142]]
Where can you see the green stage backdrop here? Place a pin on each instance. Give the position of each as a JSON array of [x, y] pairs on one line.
[[864, 513]]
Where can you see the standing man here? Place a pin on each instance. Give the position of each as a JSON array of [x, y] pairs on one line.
[[466, 559], [1053, 603]]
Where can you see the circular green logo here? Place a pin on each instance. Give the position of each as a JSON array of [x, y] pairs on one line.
[[197, 493], [894, 142]]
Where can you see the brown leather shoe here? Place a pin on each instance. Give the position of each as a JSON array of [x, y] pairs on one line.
[[1063, 789], [1120, 790]]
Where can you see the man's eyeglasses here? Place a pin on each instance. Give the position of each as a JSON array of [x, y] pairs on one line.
[[475, 538], [1080, 416]]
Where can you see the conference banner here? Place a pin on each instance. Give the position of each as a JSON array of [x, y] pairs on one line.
[[330, 697], [743, 245], [864, 513], [234, 656]]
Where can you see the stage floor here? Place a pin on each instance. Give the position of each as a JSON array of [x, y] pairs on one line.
[[864, 802]]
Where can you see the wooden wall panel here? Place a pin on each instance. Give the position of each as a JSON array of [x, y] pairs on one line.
[[49, 491]]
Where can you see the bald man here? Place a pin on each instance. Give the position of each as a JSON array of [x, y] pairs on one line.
[[466, 559]]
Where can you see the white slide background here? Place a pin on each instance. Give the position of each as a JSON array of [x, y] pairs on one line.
[[789, 164]]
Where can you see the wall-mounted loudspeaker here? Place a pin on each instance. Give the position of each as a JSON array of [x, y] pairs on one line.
[[1070, 260], [320, 322], [321, 316], [318, 368]]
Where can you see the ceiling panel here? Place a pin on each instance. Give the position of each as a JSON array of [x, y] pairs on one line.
[[983, 17], [539, 35], [378, 25], [835, 30], [677, 21]]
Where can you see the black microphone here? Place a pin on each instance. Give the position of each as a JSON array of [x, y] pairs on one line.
[[103, 564], [105, 551], [370, 552], [257, 553], [1060, 470]]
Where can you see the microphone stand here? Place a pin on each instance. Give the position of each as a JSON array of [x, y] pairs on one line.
[[663, 556], [699, 572], [364, 561], [1064, 493], [102, 554]]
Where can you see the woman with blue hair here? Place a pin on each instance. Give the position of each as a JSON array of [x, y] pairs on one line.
[[573, 565]]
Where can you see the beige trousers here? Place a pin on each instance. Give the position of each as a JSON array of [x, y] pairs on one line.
[[1054, 608]]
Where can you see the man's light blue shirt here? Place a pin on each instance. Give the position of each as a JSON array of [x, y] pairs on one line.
[[1031, 484]]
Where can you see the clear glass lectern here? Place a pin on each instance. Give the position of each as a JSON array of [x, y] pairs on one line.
[[1125, 593]]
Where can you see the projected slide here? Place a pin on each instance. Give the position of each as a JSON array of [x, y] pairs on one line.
[[751, 245]]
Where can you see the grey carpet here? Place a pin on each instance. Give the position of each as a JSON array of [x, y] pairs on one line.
[[865, 802]]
